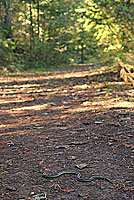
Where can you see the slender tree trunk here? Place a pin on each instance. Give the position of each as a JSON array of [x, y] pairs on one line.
[[8, 19], [1, 14], [26, 49], [38, 17], [31, 29], [82, 53]]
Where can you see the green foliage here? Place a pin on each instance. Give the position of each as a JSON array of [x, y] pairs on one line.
[[5, 52], [116, 32], [50, 33]]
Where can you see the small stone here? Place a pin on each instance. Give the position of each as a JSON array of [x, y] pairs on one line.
[[98, 122]]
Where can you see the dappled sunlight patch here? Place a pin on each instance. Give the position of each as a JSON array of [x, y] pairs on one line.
[[96, 105], [33, 85], [3, 125], [36, 107], [115, 85], [21, 86], [24, 77], [124, 104], [19, 132], [79, 109], [7, 101], [59, 97], [91, 70], [84, 86]]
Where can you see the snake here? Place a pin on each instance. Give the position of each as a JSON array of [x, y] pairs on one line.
[[78, 176]]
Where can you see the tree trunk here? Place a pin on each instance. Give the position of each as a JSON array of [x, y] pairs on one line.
[[26, 48], [8, 19], [31, 29], [38, 17]]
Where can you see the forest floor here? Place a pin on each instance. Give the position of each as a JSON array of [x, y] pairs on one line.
[[77, 119]]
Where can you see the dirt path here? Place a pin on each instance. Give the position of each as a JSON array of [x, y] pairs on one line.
[[77, 120]]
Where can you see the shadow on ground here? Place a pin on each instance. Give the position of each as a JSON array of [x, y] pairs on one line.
[[81, 119]]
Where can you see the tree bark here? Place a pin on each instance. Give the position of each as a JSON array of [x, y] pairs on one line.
[[38, 17], [8, 19], [31, 29]]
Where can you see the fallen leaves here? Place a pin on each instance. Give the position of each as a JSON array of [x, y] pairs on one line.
[[71, 157], [124, 187], [85, 165], [117, 139], [41, 162], [67, 124], [81, 165], [92, 166], [58, 187], [29, 153], [11, 188], [128, 145]]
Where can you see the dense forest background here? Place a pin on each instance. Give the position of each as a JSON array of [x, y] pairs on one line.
[[37, 33]]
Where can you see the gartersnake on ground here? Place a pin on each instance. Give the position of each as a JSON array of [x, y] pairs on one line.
[[78, 175]]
